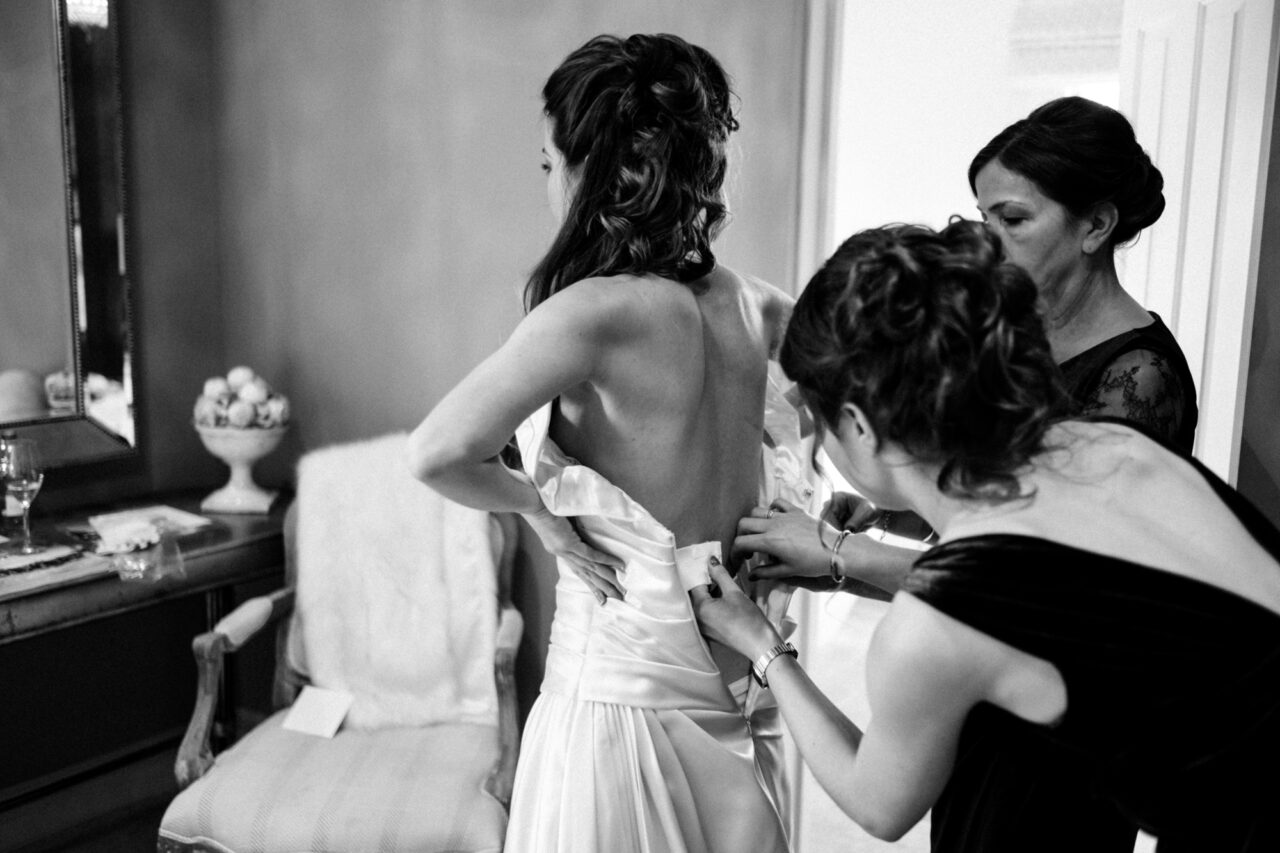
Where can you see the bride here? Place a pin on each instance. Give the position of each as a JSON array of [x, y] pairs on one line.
[[637, 388]]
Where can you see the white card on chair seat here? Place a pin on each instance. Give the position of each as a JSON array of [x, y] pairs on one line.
[[318, 711]]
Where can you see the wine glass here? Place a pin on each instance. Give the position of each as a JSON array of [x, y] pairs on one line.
[[22, 475]]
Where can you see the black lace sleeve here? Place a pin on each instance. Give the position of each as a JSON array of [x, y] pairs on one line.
[[1140, 386]]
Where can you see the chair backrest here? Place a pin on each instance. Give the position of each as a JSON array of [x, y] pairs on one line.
[[397, 589]]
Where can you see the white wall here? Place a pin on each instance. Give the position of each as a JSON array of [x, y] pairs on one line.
[[925, 84]]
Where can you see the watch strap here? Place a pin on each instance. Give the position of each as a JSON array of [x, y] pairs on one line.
[[761, 663]]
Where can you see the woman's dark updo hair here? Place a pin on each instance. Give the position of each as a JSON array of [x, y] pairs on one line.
[[939, 343], [1081, 154], [644, 121]]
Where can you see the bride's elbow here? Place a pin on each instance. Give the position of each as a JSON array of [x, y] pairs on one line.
[[431, 457]]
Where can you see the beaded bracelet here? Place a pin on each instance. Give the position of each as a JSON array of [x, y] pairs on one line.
[[834, 566]]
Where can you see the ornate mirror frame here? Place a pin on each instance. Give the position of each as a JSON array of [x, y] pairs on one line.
[[91, 418]]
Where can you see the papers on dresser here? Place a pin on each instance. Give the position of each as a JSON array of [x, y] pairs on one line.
[[135, 529]]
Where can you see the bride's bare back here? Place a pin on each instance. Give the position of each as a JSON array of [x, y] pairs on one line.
[[674, 411], [656, 384]]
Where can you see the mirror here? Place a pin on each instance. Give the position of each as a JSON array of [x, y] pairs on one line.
[[66, 339]]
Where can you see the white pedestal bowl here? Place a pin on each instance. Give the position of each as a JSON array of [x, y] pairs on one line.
[[240, 448]]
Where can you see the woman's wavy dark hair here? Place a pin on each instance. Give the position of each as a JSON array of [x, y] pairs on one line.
[[644, 121], [1080, 154], [939, 343]]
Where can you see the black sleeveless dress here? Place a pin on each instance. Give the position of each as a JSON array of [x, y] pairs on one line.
[[1173, 718]]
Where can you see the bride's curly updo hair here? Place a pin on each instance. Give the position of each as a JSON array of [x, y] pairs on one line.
[[1081, 153], [939, 343], [644, 122]]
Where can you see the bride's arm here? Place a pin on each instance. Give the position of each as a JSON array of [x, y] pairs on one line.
[[455, 450]]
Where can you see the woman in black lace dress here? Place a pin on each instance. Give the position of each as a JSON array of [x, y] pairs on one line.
[[1100, 610], [1063, 188]]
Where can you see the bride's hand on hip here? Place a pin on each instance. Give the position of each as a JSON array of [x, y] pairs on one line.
[[596, 568], [728, 616]]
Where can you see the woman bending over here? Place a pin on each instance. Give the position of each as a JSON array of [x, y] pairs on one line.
[[1095, 595]]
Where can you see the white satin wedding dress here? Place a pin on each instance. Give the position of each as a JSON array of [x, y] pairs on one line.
[[636, 744]]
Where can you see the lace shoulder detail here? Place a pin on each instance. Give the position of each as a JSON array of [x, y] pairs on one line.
[[1140, 386]]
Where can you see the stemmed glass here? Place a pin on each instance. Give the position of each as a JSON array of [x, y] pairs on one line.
[[22, 475]]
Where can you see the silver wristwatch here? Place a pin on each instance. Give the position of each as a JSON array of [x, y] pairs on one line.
[[762, 663]]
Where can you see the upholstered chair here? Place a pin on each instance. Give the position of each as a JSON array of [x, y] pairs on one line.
[[399, 598]]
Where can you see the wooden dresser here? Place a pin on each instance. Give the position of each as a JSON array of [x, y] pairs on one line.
[[97, 679]]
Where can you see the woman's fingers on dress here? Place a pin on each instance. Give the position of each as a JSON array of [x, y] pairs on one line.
[[720, 576], [601, 563], [773, 571], [607, 576], [746, 544], [769, 510], [600, 597], [605, 579], [765, 548], [601, 567], [601, 579], [595, 555]]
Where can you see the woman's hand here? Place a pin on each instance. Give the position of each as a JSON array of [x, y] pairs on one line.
[[790, 540], [596, 568], [787, 538], [796, 553], [729, 617]]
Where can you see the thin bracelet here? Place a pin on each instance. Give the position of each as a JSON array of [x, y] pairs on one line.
[[880, 529], [834, 566]]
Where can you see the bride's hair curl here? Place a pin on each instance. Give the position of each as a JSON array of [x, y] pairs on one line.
[[642, 122]]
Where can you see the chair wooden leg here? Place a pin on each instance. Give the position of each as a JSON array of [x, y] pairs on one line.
[[195, 753], [502, 777]]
